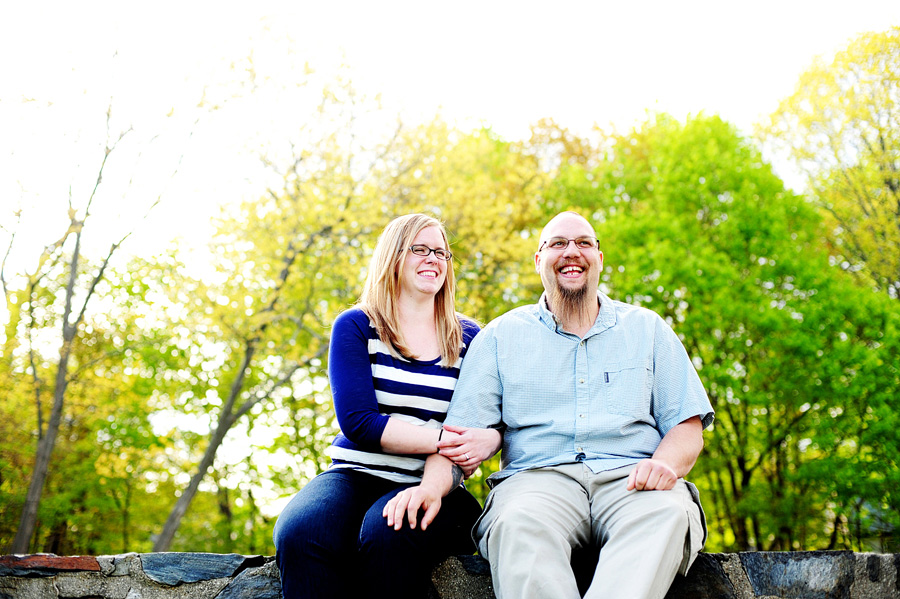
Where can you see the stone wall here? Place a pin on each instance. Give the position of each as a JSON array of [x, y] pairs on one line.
[[812, 575]]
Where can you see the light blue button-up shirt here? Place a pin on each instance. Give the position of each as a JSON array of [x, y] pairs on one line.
[[607, 399]]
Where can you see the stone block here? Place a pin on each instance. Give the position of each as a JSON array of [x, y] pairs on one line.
[[45, 564], [805, 575], [176, 568]]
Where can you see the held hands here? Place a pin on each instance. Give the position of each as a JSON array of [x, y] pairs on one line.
[[407, 504], [468, 447], [651, 475]]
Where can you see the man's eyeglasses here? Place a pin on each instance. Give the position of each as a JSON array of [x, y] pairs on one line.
[[558, 244], [424, 250]]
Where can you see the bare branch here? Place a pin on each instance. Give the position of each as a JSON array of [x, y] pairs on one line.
[[94, 282], [88, 366], [248, 405], [106, 152], [36, 379], [69, 331], [12, 239], [285, 378], [778, 439]]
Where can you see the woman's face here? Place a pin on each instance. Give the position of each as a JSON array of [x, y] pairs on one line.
[[424, 274]]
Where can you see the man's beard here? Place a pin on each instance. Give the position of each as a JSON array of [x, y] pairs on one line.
[[572, 306]]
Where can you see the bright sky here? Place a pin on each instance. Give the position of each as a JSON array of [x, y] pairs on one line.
[[504, 64]]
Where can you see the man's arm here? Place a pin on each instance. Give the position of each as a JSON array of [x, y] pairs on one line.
[[441, 476], [673, 459]]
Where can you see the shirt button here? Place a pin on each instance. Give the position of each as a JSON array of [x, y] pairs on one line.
[[581, 449], [581, 344], [581, 381], [581, 415]]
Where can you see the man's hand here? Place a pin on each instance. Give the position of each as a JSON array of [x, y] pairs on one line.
[[468, 447], [652, 475], [673, 458], [408, 502]]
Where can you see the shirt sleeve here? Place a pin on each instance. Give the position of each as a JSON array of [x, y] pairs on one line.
[[677, 392], [350, 374], [476, 401], [470, 328]]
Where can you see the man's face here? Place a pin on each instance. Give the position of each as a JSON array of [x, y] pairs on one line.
[[570, 268]]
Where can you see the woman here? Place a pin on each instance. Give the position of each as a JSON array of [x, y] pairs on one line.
[[393, 363]]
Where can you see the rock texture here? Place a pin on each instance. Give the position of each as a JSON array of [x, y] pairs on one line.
[[805, 575]]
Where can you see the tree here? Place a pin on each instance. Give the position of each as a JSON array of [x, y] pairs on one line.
[[842, 128], [695, 226], [286, 264], [300, 253], [487, 192], [52, 293], [65, 254]]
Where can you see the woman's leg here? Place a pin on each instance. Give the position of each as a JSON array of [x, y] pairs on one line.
[[398, 563], [317, 534]]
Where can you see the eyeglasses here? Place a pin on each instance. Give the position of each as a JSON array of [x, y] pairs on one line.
[[559, 244], [424, 250]]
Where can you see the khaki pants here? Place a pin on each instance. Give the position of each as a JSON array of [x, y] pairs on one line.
[[534, 519]]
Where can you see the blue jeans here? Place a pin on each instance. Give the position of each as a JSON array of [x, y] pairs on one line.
[[332, 541]]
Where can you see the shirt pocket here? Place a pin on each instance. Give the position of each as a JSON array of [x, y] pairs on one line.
[[627, 388]]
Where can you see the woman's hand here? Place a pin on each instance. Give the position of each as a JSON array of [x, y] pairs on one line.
[[468, 447], [407, 503]]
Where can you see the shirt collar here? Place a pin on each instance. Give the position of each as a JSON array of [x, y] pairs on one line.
[[605, 319]]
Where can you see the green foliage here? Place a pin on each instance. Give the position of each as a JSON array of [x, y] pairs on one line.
[[800, 361], [106, 444], [842, 127], [696, 227], [487, 193]]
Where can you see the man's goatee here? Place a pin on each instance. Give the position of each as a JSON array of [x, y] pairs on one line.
[[572, 306]]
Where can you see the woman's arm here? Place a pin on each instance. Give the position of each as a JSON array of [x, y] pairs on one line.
[[403, 437], [355, 404], [350, 375]]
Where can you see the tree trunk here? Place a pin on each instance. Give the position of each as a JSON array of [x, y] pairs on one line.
[[164, 541], [22, 542], [28, 521]]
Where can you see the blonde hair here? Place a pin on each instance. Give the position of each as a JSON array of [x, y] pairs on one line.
[[382, 288]]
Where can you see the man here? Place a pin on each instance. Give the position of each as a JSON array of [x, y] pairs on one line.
[[602, 415]]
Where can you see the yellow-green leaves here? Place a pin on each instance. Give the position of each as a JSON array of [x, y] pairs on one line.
[[842, 127]]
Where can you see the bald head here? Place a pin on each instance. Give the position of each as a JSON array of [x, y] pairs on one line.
[[570, 271], [563, 222]]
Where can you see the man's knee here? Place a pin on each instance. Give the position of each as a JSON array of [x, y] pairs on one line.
[[668, 514], [516, 521], [526, 532]]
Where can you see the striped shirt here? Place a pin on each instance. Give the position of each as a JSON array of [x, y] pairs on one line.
[[370, 385], [606, 399]]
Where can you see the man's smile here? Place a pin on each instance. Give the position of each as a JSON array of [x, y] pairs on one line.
[[571, 270]]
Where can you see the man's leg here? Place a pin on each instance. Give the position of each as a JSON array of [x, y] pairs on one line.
[[642, 535], [531, 522]]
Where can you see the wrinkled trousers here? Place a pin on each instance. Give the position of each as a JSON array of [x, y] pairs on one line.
[[535, 520]]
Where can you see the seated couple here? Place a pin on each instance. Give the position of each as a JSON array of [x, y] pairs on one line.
[[596, 404]]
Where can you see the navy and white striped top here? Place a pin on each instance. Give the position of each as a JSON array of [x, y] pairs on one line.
[[370, 385]]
